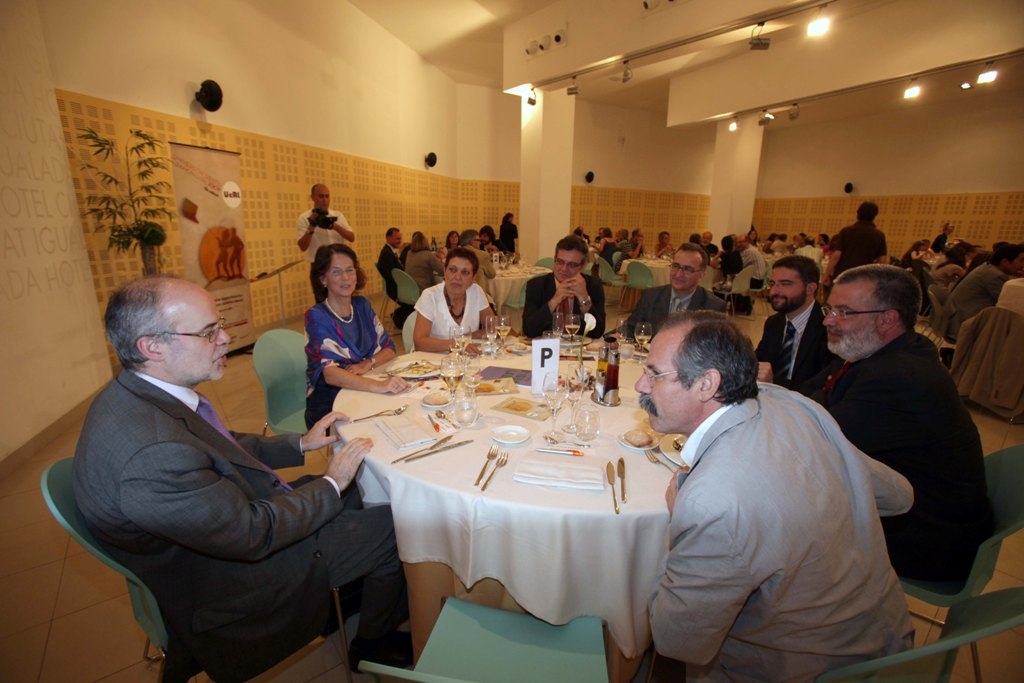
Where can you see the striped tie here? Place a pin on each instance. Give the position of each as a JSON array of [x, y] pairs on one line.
[[788, 351]]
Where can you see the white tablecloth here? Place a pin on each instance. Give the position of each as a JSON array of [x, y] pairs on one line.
[[559, 553], [659, 269], [508, 283]]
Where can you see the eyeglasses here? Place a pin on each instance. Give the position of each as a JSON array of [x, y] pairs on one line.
[[844, 313], [209, 334], [571, 265], [689, 270], [653, 377]]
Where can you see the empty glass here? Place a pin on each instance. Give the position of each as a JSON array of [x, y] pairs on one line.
[[556, 390], [578, 377], [557, 323], [587, 423], [464, 410]]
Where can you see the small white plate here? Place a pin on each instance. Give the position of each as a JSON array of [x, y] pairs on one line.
[[518, 348], [416, 370], [621, 438], [510, 435], [669, 450]]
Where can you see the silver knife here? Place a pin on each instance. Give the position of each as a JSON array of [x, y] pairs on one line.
[[622, 476], [610, 469], [439, 442], [435, 450]]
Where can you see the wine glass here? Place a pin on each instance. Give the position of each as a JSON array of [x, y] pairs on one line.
[[642, 334], [452, 372], [503, 326], [453, 339], [556, 390], [471, 378], [490, 333], [622, 327], [579, 380], [557, 323], [462, 337], [572, 325], [587, 421]]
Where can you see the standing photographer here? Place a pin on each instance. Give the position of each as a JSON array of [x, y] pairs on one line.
[[320, 226]]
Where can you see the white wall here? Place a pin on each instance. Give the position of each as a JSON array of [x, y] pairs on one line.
[[970, 144], [633, 149], [486, 134], [52, 354]]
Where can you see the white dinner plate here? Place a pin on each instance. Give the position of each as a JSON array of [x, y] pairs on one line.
[[510, 435], [621, 438], [519, 348], [669, 450], [416, 370]]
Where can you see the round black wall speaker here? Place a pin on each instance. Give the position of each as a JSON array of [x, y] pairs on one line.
[[210, 96]]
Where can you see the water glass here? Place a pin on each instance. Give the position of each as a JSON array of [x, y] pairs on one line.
[[626, 349], [556, 391], [587, 422], [557, 323], [471, 379], [464, 410]]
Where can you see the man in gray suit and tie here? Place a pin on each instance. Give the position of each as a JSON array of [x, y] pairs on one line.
[[683, 293], [240, 562]]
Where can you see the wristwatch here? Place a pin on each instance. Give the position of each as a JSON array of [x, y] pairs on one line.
[[585, 302]]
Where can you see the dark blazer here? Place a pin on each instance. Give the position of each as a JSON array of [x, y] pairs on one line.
[[233, 560], [901, 407], [539, 290], [386, 261], [811, 356], [654, 303]]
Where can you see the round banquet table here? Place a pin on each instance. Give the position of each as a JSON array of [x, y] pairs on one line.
[[659, 269], [507, 284], [556, 553]]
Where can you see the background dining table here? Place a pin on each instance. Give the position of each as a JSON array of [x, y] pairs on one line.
[[506, 286], [556, 553]]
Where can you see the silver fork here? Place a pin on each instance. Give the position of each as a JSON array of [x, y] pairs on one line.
[[492, 453], [499, 463], [658, 461]]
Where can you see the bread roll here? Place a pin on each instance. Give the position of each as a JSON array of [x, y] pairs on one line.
[[638, 438]]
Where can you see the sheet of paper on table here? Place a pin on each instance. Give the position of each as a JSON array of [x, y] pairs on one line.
[[521, 407]]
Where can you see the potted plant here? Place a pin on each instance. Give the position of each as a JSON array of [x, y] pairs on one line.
[[135, 201]]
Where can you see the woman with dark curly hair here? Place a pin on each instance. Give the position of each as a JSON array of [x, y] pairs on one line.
[[345, 337]]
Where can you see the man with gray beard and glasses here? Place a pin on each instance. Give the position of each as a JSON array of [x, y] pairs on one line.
[[896, 402], [776, 567]]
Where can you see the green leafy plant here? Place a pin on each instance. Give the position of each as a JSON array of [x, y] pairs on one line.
[[135, 200]]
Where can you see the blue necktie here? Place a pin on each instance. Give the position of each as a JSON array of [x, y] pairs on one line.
[[207, 412], [788, 350]]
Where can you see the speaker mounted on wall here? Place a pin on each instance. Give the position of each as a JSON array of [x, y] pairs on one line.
[[589, 177], [430, 161], [209, 95], [848, 188]]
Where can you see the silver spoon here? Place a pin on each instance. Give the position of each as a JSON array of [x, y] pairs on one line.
[[552, 440]]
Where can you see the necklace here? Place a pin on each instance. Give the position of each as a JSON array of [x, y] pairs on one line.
[[456, 317], [351, 312]]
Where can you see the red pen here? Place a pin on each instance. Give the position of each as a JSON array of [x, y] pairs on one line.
[[437, 427]]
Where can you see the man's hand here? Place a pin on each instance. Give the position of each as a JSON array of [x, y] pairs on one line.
[[343, 465], [764, 372], [317, 436], [574, 287]]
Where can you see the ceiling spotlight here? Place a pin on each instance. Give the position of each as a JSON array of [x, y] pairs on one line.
[[988, 75], [912, 92], [532, 99], [765, 118], [756, 41], [651, 4], [733, 125], [819, 25], [573, 89], [794, 112], [627, 73], [966, 85], [532, 48]]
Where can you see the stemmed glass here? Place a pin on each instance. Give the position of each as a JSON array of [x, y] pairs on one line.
[[579, 380], [452, 372], [557, 323], [642, 334], [490, 333], [572, 325], [556, 390], [471, 378], [503, 326]]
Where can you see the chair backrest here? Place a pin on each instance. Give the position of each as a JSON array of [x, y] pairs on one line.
[[741, 283], [408, 290], [937, 318], [639, 275], [546, 262], [408, 327], [617, 260], [707, 281], [56, 486], [968, 621], [607, 274], [279, 358]]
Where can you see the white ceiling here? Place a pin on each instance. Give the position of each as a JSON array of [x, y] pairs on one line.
[[464, 38]]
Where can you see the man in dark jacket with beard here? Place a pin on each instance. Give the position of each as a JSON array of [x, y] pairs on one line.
[[896, 402]]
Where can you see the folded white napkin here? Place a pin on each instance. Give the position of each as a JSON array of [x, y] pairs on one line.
[[574, 473], [404, 431]]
